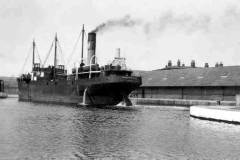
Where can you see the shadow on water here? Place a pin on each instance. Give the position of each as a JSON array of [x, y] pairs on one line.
[[120, 108], [218, 126], [104, 131], [110, 107]]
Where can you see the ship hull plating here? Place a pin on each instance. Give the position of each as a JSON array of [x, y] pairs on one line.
[[98, 91]]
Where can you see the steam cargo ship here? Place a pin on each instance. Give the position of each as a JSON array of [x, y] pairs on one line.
[[88, 84]]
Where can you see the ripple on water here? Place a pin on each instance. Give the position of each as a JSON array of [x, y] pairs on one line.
[[40, 131]]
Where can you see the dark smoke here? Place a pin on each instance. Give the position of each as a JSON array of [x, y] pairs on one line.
[[232, 14], [126, 21], [166, 20], [184, 22]]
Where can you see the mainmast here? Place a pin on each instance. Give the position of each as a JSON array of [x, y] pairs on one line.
[[55, 52], [55, 56], [83, 32], [33, 57]]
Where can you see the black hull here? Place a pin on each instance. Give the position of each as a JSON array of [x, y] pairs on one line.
[[110, 91]]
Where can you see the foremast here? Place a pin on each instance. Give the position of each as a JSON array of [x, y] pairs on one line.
[[55, 56], [83, 32], [33, 56]]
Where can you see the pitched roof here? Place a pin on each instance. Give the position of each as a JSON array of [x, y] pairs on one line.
[[213, 76]]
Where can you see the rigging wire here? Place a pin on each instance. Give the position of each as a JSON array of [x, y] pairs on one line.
[[48, 54], [26, 59], [39, 58], [61, 52], [74, 49]]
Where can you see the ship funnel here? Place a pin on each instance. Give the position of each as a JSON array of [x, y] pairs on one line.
[[118, 53], [91, 58]]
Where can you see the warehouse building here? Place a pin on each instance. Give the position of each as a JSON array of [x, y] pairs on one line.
[[219, 83]]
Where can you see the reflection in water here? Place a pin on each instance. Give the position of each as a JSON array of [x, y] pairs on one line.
[[214, 139], [214, 126], [40, 131], [104, 131]]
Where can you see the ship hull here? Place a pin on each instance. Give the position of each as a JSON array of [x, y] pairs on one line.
[[95, 92]]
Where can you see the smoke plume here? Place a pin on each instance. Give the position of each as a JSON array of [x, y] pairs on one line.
[[185, 22], [126, 21], [167, 20]]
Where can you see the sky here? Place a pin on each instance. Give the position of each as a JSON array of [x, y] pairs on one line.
[[149, 32]]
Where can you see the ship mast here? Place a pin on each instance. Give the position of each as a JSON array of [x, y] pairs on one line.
[[83, 32], [33, 57], [55, 56]]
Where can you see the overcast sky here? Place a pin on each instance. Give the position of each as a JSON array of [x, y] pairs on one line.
[[149, 32]]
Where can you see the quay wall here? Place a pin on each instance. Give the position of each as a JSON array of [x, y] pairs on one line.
[[179, 102], [218, 93]]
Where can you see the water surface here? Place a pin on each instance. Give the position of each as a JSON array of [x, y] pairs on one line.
[[41, 131]]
